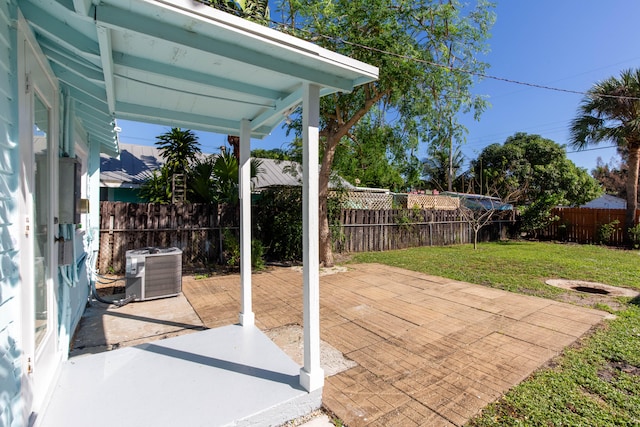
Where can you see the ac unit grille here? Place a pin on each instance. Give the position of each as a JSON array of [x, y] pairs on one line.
[[163, 276], [153, 273]]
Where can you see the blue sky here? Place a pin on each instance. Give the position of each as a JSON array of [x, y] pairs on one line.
[[568, 44]]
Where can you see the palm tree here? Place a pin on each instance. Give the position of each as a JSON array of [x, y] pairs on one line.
[[179, 148], [610, 112], [155, 188], [437, 166], [199, 181], [215, 178]]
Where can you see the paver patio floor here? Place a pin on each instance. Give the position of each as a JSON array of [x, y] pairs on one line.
[[430, 351]]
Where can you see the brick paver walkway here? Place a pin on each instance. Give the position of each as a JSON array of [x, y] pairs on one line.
[[430, 351]]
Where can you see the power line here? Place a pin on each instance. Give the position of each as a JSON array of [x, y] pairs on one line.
[[489, 76], [452, 68], [540, 129], [311, 35], [591, 149]]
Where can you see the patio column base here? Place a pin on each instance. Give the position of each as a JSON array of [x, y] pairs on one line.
[[312, 381], [247, 319]]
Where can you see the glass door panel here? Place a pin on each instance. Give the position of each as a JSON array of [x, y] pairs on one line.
[[41, 207]]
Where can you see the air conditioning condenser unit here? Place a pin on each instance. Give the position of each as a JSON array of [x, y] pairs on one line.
[[153, 273]]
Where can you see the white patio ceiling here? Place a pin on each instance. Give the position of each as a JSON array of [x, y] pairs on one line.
[[179, 63]]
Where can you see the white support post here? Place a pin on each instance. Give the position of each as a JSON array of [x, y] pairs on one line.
[[246, 317], [311, 375]]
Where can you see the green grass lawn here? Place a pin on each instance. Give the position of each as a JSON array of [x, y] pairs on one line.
[[518, 266], [595, 384]]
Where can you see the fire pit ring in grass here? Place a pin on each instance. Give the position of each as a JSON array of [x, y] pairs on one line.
[[592, 288]]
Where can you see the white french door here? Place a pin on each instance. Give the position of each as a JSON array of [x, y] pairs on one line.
[[38, 105]]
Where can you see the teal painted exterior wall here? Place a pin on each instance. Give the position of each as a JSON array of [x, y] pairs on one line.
[[129, 195], [12, 407], [73, 279]]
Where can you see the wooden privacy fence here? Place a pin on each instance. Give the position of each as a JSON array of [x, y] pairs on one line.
[[580, 225], [381, 230], [194, 228]]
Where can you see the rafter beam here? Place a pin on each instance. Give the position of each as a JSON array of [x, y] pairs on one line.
[[82, 84], [161, 116], [104, 41], [99, 107], [60, 33], [82, 7], [279, 112], [70, 62]]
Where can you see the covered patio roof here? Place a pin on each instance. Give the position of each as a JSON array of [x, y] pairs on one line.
[[183, 63], [180, 63]]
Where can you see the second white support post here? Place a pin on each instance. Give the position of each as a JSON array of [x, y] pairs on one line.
[[246, 317], [311, 375]]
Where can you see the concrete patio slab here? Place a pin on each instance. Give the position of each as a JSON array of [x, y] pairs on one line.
[[228, 376], [430, 351], [427, 351], [107, 327]]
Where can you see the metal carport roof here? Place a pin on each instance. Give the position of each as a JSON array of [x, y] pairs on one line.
[[179, 63]]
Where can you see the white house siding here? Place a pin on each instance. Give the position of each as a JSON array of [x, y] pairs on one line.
[[11, 404]]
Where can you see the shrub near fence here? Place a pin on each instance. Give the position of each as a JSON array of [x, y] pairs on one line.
[[194, 228], [580, 225]]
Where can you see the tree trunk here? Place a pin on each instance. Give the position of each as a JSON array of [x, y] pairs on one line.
[[632, 189], [333, 132], [450, 173], [234, 141], [326, 251]]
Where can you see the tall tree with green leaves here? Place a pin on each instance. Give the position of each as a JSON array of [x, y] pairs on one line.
[[179, 148], [373, 155], [534, 174], [610, 112], [426, 51]]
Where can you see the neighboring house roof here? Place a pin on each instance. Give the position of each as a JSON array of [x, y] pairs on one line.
[[606, 201], [137, 162], [276, 173], [131, 168], [479, 201], [180, 63]]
